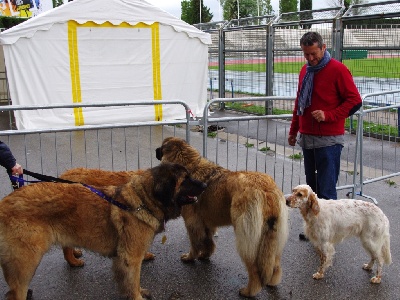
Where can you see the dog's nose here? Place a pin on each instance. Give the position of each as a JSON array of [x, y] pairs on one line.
[[158, 153], [287, 198]]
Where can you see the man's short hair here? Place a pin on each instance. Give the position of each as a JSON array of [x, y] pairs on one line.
[[310, 38]]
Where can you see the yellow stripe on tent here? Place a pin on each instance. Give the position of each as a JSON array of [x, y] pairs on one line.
[[74, 69], [155, 38], [74, 64]]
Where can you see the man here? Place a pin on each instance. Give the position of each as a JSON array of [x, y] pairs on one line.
[[326, 96]]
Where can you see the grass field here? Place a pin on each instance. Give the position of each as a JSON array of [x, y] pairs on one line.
[[368, 67], [369, 127]]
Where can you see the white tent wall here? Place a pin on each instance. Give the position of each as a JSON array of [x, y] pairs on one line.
[[92, 61]]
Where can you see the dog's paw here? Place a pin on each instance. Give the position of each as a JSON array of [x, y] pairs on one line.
[[204, 256], [70, 255], [367, 267], [376, 279], [187, 257], [77, 253], [318, 275], [244, 292], [149, 256], [145, 293], [76, 263]]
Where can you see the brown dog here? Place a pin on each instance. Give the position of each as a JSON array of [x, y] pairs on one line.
[[250, 201], [37, 216], [95, 177]]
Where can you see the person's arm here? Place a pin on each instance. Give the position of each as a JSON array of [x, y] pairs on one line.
[[348, 92], [294, 126], [8, 161]]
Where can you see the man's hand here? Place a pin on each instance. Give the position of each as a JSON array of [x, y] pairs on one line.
[[17, 169], [318, 115], [292, 140]]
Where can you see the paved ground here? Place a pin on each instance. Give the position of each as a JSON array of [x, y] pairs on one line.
[[221, 277], [224, 274]]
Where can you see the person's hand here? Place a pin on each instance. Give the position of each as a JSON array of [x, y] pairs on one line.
[[292, 140], [17, 169], [318, 115]]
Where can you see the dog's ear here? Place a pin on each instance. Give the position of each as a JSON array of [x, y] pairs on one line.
[[164, 182], [313, 203], [164, 190]]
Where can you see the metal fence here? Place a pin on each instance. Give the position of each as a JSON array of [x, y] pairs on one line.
[[262, 56], [252, 57], [379, 155], [233, 140], [370, 153], [127, 146]]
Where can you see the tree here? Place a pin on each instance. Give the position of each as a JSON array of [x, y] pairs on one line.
[[247, 8], [305, 4], [187, 14], [230, 9], [190, 12], [266, 7], [286, 6], [57, 3]]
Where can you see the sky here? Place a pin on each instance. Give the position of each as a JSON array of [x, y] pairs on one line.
[[174, 6]]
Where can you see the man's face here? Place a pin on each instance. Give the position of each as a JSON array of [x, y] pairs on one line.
[[313, 54]]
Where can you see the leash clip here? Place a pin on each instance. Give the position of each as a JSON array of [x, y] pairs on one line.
[[17, 182]]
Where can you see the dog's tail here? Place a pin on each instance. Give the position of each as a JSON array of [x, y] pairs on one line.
[[273, 240], [262, 233], [387, 257]]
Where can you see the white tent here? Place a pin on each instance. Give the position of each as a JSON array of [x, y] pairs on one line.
[[99, 51]]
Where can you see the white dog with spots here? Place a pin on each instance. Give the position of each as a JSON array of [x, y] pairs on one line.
[[329, 222]]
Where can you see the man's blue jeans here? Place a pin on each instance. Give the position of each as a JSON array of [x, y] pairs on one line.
[[322, 167]]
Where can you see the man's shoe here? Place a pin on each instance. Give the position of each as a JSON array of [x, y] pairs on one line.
[[302, 237]]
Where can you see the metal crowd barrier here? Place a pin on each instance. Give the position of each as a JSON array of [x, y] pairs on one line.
[[124, 146], [381, 162], [231, 139], [261, 144], [368, 156]]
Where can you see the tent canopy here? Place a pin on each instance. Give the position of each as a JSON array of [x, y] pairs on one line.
[[100, 51]]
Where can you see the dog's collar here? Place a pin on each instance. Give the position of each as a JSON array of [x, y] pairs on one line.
[[143, 212], [154, 222], [141, 207]]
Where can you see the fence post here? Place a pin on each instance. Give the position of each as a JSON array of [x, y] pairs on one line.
[[221, 63], [269, 66], [337, 43], [211, 88], [398, 124]]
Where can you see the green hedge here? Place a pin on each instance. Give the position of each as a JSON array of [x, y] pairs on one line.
[[8, 22]]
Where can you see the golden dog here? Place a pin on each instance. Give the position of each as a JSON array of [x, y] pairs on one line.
[[37, 216], [250, 201], [95, 177]]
